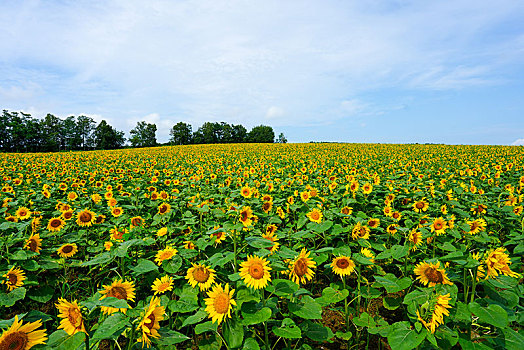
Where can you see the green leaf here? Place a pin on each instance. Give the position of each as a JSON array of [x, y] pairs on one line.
[[316, 332], [170, 337], [144, 266], [392, 283], [114, 302], [42, 295], [199, 316], [399, 251], [469, 345], [288, 330], [344, 335], [331, 296], [259, 242], [208, 326], [402, 337], [112, 326], [12, 297], [233, 333], [121, 250], [257, 316], [60, 340], [462, 313], [19, 255], [306, 308], [493, 314], [220, 259], [100, 259], [364, 320], [251, 344], [391, 303], [173, 265], [512, 339], [283, 288]]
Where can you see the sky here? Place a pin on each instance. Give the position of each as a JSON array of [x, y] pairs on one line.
[[374, 71]]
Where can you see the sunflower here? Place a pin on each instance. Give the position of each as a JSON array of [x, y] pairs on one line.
[[111, 202], [267, 206], [367, 188], [119, 289], [245, 216], [162, 285], [36, 223], [346, 210], [14, 278], [343, 265], [498, 261], [246, 192], [415, 238], [476, 226], [165, 254], [34, 243], [432, 274], [72, 321], [137, 221], [439, 226], [300, 269], [219, 236], [304, 196], [55, 224], [368, 254], [68, 214], [117, 211], [108, 245], [271, 236], [161, 232], [220, 303], [150, 323], [23, 213], [478, 209], [315, 215], [374, 223], [360, 231], [201, 275], [72, 196], [85, 218], [431, 314], [480, 269], [255, 272], [421, 205], [281, 213], [164, 208], [189, 245], [22, 337], [517, 210], [117, 234], [67, 250]]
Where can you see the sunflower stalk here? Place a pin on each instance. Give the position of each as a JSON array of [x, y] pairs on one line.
[[266, 336]]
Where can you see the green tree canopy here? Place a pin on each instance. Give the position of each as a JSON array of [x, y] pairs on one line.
[[181, 134], [143, 135], [261, 134]]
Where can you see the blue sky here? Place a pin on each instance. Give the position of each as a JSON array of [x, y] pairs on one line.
[[353, 71]]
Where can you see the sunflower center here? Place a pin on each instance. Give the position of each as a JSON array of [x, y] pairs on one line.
[[345, 211], [67, 249], [433, 275], [55, 223], [13, 278], [68, 215], [243, 215], [315, 215], [163, 287], [201, 275], [256, 271], [300, 267], [474, 226], [342, 263], [117, 292], [14, 341], [150, 322], [162, 209], [420, 205], [166, 255], [438, 226], [85, 217], [74, 317], [362, 232], [33, 246], [221, 303]]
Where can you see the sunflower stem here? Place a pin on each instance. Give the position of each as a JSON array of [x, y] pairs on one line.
[[473, 284], [87, 341], [266, 336], [235, 248], [131, 338]]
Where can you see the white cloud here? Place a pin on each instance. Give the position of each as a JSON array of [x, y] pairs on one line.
[[200, 60], [519, 142]]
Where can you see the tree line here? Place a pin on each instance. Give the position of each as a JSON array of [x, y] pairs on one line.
[[19, 132]]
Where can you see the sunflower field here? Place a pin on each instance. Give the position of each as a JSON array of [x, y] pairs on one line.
[[263, 246]]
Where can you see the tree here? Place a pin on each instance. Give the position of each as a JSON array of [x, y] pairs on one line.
[[239, 134], [181, 134], [261, 134], [106, 137], [281, 138], [208, 133], [51, 127], [143, 135], [84, 129]]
